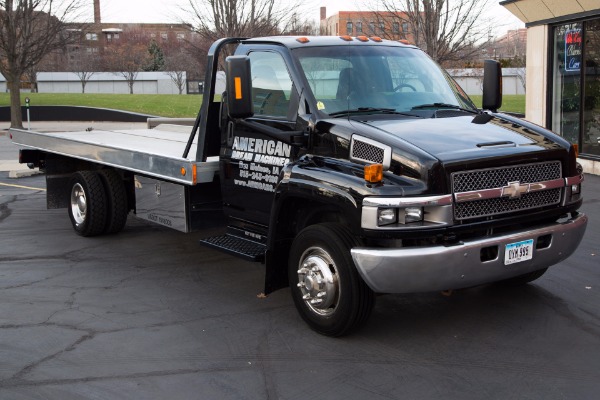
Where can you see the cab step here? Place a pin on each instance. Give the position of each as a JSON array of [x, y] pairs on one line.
[[237, 246]]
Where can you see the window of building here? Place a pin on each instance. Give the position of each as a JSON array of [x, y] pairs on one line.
[[396, 27], [180, 36], [164, 35], [575, 106], [91, 36], [405, 27], [359, 27], [109, 37], [372, 28], [381, 27], [349, 30]]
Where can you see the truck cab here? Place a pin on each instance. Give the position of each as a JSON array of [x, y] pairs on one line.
[[362, 167]]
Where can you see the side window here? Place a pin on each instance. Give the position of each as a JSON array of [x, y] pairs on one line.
[[271, 84]]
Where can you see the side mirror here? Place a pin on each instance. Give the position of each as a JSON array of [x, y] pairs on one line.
[[492, 85], [239, 87]]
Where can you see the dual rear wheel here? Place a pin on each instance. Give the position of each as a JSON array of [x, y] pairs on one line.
[[97, 202]]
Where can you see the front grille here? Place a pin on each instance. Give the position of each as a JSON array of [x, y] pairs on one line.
[[367, 152], [499, 177], [503, 205]]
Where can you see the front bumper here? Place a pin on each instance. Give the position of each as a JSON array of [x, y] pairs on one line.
[[423, 269]]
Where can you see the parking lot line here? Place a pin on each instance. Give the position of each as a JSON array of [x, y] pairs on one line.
[[21, 187]]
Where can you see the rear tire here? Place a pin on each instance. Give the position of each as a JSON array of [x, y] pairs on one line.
[[327, 290], [116, 196], [87, 203]]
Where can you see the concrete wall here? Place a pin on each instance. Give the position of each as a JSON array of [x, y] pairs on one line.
[[106, 82], [471, 80]]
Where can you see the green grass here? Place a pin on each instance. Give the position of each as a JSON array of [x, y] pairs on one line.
[[510, 103], [171, 105], [162, 105]]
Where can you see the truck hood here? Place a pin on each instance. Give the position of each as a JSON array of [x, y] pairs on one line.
[[460, 138]]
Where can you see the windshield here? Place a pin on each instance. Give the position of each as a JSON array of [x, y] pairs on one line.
[[401, 79]]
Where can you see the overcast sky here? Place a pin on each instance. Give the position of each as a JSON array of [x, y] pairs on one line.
[[170, 11]]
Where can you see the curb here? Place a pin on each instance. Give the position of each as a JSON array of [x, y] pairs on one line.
[[24, 173]]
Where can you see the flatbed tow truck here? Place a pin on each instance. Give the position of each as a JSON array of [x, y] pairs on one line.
[[349, 166]]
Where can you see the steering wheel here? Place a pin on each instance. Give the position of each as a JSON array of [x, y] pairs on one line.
[[400, 86]]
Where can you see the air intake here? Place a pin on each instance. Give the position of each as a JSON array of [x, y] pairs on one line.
[[369, 151]]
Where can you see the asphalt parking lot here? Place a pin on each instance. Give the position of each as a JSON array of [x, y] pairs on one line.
[[150, 314]]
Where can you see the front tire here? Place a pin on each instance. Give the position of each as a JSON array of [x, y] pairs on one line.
[[87, 204], [326, 287]]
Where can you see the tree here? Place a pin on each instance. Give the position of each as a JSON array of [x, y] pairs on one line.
[[128, 56], [84, 63], [447, 30], [157, 57], [240, 18], [29, 30]]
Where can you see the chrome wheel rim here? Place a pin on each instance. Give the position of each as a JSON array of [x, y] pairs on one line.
[[318, 281], [78, 204]]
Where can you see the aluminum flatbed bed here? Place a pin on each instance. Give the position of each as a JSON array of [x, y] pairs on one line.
[[151, 152]]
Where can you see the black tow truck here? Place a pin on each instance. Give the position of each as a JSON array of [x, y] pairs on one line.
[[349, 166]]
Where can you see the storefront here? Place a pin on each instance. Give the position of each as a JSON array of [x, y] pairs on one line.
[[563, 70]]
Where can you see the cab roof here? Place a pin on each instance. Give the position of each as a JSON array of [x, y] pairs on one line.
[[293, 42]]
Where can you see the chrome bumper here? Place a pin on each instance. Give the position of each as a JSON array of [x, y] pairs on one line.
[[423, 269]]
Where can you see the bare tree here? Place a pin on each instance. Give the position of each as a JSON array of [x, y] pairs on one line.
[[446, 29], [29, 30], [128, 56], [84, 63], [240, 18]]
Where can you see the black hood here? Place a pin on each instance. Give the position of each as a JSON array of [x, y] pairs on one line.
[[460, 138]]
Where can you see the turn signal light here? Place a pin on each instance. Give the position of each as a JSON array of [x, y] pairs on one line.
[[374, 173]]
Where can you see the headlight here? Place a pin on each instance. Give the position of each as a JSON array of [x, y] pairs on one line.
[[386, 216], [411, 214]]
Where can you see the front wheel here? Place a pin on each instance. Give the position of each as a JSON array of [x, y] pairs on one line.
[[326, 287]]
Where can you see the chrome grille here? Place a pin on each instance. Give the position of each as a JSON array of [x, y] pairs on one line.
[[367, 152], [502, 205], [499, 177]]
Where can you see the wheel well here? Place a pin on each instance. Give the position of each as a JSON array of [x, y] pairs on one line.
[[294, 215]]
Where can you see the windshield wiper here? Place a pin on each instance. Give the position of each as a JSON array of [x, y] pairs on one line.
[[445, 105], [370, 110]]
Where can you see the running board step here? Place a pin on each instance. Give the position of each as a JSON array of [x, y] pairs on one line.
[[240, 247]]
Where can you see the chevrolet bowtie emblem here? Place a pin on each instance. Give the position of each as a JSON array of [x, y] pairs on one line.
[[514, 190]]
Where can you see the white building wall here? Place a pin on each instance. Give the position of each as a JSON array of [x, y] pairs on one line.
[[106, 82]]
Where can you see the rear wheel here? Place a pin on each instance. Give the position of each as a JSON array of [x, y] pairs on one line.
[[87, 203], [326, 287], [116, 196]]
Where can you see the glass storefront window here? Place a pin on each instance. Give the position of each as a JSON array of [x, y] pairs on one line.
[[576, 84], [567, 80], [590, 141]]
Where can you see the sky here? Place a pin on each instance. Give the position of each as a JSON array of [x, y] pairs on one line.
[[170, 11]]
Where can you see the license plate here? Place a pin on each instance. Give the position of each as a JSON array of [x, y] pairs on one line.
[[519, 251]]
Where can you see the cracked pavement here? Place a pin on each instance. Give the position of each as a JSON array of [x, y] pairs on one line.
[[150, 314]]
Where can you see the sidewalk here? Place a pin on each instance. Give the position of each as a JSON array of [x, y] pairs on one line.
[[9, 152]]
